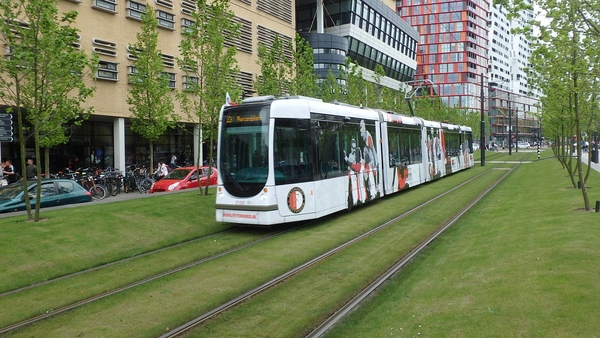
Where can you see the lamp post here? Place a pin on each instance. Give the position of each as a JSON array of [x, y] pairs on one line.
[[482, 136], [509, 127], [517, 132]]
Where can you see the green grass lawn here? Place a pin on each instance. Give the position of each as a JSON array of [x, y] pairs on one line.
[[524, 263], [73, 239]]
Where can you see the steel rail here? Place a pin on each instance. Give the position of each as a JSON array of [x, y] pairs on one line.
[[263, 287], [89, 300], [117, 262], [371, 288]]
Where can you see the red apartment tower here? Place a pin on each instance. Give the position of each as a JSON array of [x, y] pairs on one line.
[[453, 49]]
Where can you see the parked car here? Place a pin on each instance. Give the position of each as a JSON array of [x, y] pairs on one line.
[[185, 178], [524, 145], [54, 192]]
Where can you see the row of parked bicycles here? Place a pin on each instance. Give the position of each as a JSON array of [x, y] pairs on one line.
[[110, 181]]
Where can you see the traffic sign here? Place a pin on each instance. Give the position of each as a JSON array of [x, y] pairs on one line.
[[6, 128]]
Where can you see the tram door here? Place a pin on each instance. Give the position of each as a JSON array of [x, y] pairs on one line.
[[293, 168]]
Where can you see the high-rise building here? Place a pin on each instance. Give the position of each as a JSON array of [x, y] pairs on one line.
[[453, 48], [367, 31], [464, 40]]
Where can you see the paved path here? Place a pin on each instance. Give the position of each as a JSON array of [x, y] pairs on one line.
[[120, 197], [584, 159]]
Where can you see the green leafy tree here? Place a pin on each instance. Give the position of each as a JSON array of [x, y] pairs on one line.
[[210, 67], [330, 89], [565, 67], [358, 90], [304, 81], [275, 69], [150, 104], [43, 77]]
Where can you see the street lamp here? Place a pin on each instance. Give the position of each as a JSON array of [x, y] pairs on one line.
[[482, 136], [509, 127], [517, 132]]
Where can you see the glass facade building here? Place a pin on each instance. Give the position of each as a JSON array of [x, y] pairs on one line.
[[374, 33]]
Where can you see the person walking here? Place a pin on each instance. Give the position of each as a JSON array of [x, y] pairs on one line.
[[173, 163], [31, 170], [161, 171], [8, 171]]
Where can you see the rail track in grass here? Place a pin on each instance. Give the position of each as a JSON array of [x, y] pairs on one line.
[[355, 301], [199, 320]]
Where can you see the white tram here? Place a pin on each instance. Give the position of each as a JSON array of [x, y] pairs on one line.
[[297, 158]]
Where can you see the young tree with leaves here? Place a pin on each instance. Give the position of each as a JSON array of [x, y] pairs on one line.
[[151, 106], [358, 90], [304, 81], [42, 80], [330, 89], [210, 67], [275, 69]]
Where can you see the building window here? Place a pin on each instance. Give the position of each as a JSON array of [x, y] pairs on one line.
[[165, 19], [106, 5], [108, 70], [171, 78], [189, 82], [135, 10], [186, 24]]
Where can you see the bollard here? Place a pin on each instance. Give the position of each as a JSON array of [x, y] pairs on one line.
[[597, 206], [578, 184]]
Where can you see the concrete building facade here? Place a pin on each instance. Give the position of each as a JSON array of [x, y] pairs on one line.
[[108, 28]]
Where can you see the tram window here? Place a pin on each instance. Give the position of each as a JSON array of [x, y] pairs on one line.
[[415, 145], [452, 141], [405, 146], [328, 148], [394, 146], [291, 151], [469, 140]]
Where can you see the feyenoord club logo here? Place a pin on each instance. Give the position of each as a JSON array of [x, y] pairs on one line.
[[295, 200]]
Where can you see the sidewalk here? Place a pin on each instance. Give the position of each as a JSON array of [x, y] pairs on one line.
[[584, 159], [109, 199]]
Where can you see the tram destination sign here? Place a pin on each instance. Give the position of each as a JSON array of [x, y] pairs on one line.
[[6, 128]]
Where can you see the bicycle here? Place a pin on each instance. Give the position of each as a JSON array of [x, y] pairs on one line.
[[87, 180]]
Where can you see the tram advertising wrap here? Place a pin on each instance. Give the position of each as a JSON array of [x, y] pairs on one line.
[[297, 158]]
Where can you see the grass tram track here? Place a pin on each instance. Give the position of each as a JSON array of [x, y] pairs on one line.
[[190, 325], [197, 262]]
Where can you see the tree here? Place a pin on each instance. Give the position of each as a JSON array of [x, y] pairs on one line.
[[330, 89], [149, 102], [210, 67], [275, 69], [304, 81], [358, 90], [42, 80], [565, 67]]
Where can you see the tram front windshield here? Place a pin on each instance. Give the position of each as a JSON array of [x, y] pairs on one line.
[[244, 149]]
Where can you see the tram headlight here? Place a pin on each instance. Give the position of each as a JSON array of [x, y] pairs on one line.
[[263, 197]]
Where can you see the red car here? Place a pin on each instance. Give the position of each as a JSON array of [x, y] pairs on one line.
[[184, 178]]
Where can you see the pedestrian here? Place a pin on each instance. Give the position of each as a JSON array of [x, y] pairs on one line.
[[161, 171], [31, 170], [173, 163], [3, 181], [8, 171]]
